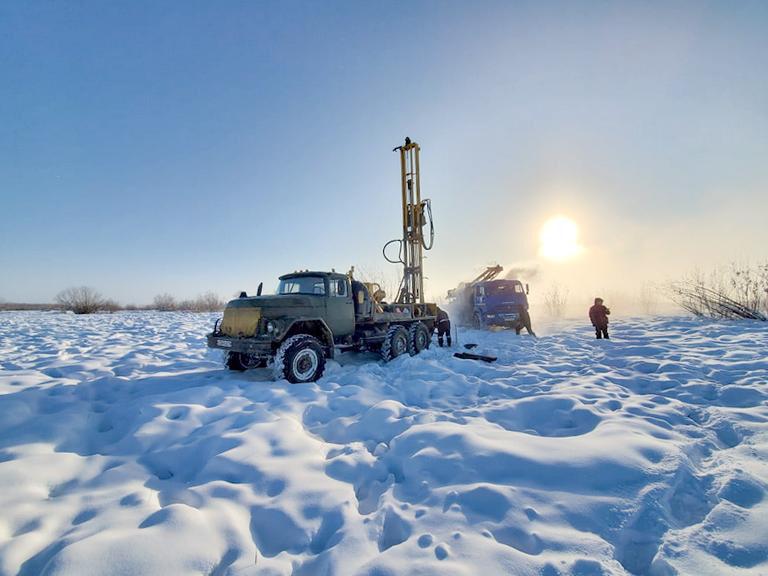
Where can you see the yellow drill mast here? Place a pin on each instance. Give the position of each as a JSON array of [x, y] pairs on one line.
[[415, 214]]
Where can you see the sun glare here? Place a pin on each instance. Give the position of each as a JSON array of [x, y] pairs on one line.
[[559, 239]]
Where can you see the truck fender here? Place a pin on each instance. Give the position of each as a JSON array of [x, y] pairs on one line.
[[316, 327]]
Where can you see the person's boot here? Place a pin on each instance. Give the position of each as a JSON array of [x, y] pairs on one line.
[[440, 341], [450, 344]]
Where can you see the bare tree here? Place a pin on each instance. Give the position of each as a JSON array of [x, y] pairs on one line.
[[208, 302], [389, 283], [648, 300], [556, 300], [164, 302], [80, 300], [749, 285]]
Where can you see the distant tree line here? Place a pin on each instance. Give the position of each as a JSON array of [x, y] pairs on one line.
[[86, 300], [208, 302], [21, 306]]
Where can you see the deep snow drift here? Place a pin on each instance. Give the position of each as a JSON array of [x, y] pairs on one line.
[[126, 448]]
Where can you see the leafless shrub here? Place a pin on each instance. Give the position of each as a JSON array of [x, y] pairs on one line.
[[208, 302], [164, 302], [749, 285], [110, 306], [738, 292], [556, 300], [81, 300], [390, 283]]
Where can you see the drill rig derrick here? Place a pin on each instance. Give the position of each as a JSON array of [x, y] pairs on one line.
[[416, 213], [490, 273]]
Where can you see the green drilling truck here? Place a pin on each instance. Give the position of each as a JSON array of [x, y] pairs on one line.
[[313, 315]]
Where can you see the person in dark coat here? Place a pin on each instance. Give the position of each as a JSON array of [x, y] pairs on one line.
[[598, 315], [443, 324], [525, 322]]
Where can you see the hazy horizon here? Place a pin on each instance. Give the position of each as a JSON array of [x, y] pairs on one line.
[[184, 148]]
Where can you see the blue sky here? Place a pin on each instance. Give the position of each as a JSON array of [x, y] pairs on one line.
[[181, 147]]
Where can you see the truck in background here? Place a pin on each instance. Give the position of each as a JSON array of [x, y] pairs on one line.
[[488, 301]]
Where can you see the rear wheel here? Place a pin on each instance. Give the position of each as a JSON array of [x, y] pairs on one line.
[[418, 338], [241, 362], [395, 343], [300, 359]]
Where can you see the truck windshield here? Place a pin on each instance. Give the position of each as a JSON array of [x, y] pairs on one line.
[[506, 288], [302, 285]]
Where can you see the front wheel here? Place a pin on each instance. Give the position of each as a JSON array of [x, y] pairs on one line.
[[300, 359]]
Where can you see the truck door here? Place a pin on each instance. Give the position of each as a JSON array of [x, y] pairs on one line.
[[480, 299], [340, 307]]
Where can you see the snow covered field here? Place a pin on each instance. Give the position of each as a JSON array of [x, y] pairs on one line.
[[125, 448]]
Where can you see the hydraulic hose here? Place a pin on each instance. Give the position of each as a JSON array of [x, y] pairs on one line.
[[428, 209], [399, 253]]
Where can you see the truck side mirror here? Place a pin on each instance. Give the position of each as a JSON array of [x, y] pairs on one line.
[[527, 288], [258, 290]]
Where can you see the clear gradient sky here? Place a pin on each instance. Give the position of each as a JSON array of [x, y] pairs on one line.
[[181, 147]]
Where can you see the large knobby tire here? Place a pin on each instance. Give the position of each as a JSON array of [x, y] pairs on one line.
[[242, 362], [300, 359], [395, 343], [419, 338]]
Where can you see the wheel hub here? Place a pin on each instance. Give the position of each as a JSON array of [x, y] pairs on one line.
[[251, 361], [305, 363]]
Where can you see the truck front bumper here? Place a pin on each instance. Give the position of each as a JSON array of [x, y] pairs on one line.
[[502, 319], [260, 347]]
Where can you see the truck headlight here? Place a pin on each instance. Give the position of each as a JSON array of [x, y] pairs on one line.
[[274, 327]]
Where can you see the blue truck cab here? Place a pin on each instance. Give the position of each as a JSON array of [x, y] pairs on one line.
[[499, 303]]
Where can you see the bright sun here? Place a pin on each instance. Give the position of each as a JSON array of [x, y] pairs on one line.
[[559, 238]]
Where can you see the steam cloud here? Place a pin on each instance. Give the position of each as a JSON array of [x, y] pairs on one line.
[[525, 272]]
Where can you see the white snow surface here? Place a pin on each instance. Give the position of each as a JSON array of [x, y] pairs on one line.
[[126, 448]]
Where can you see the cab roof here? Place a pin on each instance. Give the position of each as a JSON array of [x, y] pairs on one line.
[[500, 281], [305, 273]]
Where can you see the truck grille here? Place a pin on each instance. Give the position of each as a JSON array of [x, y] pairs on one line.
[[241, 321]]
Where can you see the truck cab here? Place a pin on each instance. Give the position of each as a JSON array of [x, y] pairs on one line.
[[499, 303], [333, 295]]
